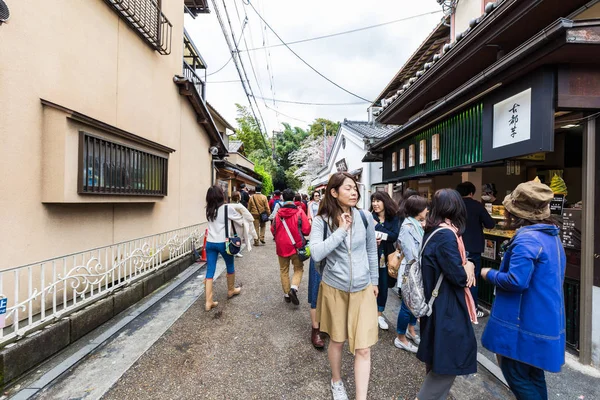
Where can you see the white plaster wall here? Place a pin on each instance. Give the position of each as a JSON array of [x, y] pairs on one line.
[[596, 327]]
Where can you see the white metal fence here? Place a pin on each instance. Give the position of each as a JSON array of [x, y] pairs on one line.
[[41, 293]]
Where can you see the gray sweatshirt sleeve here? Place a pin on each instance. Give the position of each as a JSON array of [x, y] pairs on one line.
[[372, 251], [320, 249]]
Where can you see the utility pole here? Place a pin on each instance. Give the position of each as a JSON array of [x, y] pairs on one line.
[[324, 144]]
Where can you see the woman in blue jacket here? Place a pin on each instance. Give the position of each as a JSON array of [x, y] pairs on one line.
[[384, 211], [527, 325]]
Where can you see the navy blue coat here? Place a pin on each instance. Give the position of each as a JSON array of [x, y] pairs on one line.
[[448, 341], [477, 219]]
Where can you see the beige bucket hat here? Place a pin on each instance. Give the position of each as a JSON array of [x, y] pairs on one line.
[[530, 201]]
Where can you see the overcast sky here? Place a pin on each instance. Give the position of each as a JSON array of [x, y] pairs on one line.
[[363, 62]]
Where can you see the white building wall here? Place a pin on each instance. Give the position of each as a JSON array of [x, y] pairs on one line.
[[353, 153]]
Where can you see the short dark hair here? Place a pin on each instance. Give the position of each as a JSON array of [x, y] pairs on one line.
[[465, 189], [277, 192], [235, 197], [242, 185], [258, 189], [298, 197], [408, 193], [288, 195], [447, 204], [414, 205]]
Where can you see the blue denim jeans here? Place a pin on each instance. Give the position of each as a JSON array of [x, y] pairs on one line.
[[476, 258], [525, 381], [212, 253], [405, 318], [314, 280]]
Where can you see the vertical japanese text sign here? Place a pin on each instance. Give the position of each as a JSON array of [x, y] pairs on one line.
[[512, 120]]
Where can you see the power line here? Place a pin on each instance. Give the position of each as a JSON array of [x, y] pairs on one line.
[[220, 19], [249, 57], [346, 32], [310, 103], [288, 116], [231, 81], [265, 37], [231, 58], [301, 59]]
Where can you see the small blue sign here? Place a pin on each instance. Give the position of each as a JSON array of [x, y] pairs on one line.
[[3, 303]]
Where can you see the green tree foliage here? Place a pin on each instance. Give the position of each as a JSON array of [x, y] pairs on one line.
[[283, 170], [266, 179], [249, 131], [286, 142], [316, 128]]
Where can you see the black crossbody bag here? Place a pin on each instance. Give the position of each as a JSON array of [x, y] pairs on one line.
[[233, 244]]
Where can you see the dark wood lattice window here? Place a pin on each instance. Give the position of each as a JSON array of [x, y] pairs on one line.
[[112, 168]]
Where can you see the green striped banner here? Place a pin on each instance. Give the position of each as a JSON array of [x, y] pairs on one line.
[[459, 146]]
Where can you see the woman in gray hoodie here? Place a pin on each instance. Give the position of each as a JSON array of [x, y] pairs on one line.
[[343, 237]]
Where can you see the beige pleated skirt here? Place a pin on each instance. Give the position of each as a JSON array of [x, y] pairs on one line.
[[348, 316]]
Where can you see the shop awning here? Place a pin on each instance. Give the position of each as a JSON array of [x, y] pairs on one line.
[[243, 176], [505, 29], [356, 172], [564, 41]]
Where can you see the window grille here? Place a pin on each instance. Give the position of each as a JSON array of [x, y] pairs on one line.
[[111, 168], [147, 20]]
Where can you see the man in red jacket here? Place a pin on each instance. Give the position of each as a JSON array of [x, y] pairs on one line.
[[297, 223]]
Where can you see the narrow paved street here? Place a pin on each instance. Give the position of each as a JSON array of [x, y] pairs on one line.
[[257, 346]]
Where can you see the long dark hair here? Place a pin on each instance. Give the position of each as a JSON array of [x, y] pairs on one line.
[[215, 198], [312, 196], [447, 204], [389, 205], [329, 206]]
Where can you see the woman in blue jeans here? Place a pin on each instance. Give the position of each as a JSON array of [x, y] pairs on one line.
[[215, 242], [411, 235]]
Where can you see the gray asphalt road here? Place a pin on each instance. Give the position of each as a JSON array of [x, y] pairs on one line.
[[256, 346]]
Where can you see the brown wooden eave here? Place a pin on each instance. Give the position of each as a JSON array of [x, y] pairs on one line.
[[512, 23], [187, 89], [562, 43]]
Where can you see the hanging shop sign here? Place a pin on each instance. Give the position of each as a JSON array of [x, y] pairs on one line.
[[435, 147], [423, 151], [341, 165], [394, 161], [411, 155], [402, 159], [519, 119]]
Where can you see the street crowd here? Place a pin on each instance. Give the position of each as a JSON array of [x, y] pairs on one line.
[[430, 249]]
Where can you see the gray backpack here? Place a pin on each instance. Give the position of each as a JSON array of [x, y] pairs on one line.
[[413, 293]]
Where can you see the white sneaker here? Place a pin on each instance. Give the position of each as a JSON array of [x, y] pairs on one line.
[[338, 391], [408, 347], [416, 338], [239, 255], [382, 323]]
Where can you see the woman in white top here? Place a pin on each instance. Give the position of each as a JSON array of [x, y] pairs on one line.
[[249, 232], [215, 243], [313, 205]]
